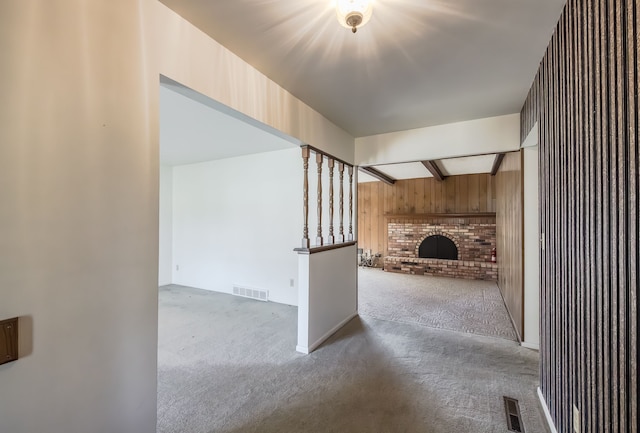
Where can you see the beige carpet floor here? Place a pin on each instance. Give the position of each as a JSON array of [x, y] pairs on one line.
[[228, 365], [470, 306]]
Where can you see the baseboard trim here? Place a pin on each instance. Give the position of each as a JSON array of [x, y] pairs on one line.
[[530, 346], [513, 323], [319, 341], [302, 349], [547, 414]]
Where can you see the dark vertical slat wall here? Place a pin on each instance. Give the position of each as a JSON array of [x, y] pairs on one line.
[[584, 100]]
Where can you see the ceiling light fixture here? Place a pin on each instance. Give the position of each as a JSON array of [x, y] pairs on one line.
[[354, 14]]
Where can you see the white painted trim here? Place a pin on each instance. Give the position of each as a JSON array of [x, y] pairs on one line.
[[471, 137], [532, 137], [531, 232], [547, 414], [532, 346], [319, 341]]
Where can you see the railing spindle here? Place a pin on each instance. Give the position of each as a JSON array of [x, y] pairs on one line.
[[350, 203], [341, 208], [331, 238], [319, 158], [305, 198]]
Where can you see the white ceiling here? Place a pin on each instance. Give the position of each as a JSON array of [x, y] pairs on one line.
[[466, 165], [448, 167], [364, 177], [407, 170], [417, 63], [194, 129]]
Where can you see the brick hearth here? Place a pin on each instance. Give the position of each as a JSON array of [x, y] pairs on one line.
[[474, 241]]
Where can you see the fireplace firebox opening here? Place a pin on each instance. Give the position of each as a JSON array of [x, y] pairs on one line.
[[438, 247]]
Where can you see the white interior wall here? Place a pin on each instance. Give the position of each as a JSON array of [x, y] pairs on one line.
[[165, 244], [327, 293], [531, 249], [236, 221], [79, 162], [473, 137]]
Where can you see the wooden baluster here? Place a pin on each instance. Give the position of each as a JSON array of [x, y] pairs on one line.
[[350, 203], [341, 209], [305, 198], [331, 238], [319, 163]]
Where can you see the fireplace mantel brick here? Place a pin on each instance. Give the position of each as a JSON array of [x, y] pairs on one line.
[[473, 240]]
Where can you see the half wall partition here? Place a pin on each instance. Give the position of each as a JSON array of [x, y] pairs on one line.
[[327, 290]]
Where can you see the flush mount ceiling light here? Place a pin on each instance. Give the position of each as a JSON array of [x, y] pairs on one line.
[[354, 14]]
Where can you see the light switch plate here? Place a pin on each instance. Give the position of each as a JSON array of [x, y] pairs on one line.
[[8, 340]]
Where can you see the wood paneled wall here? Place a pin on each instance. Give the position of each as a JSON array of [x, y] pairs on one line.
[[456, 194], [509, 237], [585, 100]]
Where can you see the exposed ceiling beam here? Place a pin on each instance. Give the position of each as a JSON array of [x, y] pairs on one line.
[[496, 163], [378, 175], [433, 168]]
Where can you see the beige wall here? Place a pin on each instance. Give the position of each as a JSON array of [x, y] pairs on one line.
[[79, 193], [214, 71], [79, 176]]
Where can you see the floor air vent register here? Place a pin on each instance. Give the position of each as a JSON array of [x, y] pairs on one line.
[[512, 410], [248, 292]]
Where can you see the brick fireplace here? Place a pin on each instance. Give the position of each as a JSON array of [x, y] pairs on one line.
[[474, 236]]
